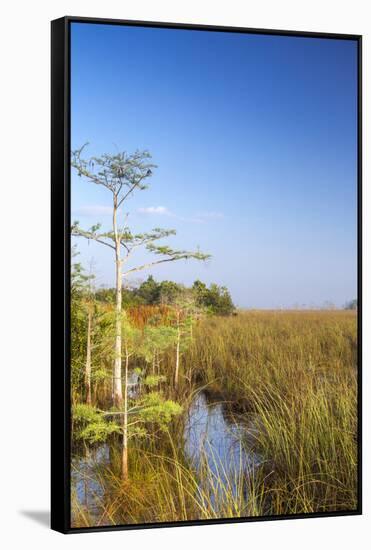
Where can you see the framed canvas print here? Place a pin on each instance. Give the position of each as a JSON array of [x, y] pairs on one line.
[[206, 274]]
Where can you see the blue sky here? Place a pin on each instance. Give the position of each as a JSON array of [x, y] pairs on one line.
[[255, 141]]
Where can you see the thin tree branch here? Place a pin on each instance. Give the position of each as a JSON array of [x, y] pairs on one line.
[[151, 264], [89, 236], [130, 191]]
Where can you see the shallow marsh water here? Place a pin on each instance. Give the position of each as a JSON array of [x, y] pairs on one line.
[[214, 441], [212, 435]]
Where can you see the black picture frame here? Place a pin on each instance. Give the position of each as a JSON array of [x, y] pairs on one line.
[[60, 268]]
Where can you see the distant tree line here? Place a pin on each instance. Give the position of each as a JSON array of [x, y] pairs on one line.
[[352, 304], [214, 299]]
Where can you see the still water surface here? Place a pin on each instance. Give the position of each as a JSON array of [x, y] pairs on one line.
[[212, 438]]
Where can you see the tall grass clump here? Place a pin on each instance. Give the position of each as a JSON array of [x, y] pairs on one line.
[[166, 486], [297, 373]]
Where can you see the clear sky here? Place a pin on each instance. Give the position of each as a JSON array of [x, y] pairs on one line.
[[255, 141]]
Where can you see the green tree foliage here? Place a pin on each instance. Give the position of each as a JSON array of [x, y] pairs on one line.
[[93, 425], [214, 299], [90, 424], [169, 291], [160, 411], [148, 292], [79, 291], [156, 340]]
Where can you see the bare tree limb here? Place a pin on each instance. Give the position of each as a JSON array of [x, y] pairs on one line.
[[151, 264]]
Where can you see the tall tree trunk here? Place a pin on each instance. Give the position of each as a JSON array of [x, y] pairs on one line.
[[88, 358], [117, 382], [125, 468], [95, 392], [158, 362], [176, 376]]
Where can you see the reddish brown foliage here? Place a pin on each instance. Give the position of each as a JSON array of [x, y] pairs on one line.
[[155, 315]]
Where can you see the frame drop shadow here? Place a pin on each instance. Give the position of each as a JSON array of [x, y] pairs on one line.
[[42, 517]]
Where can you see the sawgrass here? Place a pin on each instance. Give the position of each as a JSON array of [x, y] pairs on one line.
[[295, 374]]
